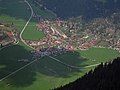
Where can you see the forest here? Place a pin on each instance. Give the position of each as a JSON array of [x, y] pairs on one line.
[[87, 8], [104, 77]]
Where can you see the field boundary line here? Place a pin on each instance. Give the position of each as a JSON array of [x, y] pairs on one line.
[[17, 70], [71, 66], [55, 59]]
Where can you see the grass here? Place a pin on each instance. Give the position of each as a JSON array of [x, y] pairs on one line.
[[97, 55], [31, 32], [46, 73], [39, 75], [89, 57], [72, 58], [16, 8], [19, 23], [20, 10]]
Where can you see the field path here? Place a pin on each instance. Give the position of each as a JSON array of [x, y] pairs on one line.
[[92, 65], [64, 63], [17, 70], [71, 66]]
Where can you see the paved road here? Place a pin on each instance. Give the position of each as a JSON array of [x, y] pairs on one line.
[[24, 27], [26, 24]]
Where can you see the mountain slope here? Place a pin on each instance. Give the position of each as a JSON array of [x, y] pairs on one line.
[[104, 77], [87, 8]]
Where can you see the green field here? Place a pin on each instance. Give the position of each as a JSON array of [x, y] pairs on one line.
[[31, 32], [47, 73], [19, 23], [93, 56], [97, 55]]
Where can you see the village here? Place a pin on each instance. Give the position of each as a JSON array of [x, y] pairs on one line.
[[8, 36], [71, 35], [63, 36]]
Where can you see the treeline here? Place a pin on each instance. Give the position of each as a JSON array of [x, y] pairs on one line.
[[104, 77]]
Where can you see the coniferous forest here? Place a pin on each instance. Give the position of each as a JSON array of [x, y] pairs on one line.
[[104, 77]]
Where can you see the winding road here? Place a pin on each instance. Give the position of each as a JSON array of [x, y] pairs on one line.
[[26, 24], [24, 27]]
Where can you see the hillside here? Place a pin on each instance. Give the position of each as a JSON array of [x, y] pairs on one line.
[[20, 10], [86, 8], [103, 77]]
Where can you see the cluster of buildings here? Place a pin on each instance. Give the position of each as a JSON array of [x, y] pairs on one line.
[[53, 36], [7, 36], [72, 35], [106, 31], [52, 51]]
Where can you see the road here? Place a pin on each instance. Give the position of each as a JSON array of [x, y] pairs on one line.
[[58, 32], [17, 70], [24, 27], [92, 65], [71, 66], [23, 42], [14, 72], [64, 63], [26, 24]]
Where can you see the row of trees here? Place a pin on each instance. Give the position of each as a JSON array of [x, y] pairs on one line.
[[104, 77]]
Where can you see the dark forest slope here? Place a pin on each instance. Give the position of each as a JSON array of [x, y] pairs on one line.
[[87, 8], [104, 77]]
